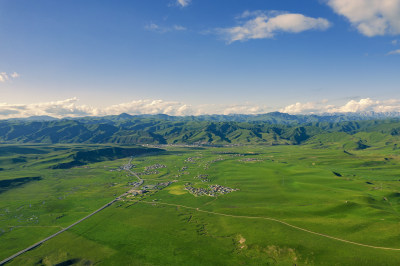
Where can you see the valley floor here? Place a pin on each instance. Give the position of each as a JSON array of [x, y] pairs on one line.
[[250, 205]]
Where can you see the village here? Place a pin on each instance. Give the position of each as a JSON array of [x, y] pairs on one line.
[[203, 178], [139, 188], [250, 160], [211, 191]]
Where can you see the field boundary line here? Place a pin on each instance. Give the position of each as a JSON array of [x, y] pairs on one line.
[[274, 220]]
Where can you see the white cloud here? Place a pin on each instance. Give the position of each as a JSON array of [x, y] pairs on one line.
[[183, 3], [71, 108], [163, 29], [180, 109], [299, 108], [4, 76], [243, 109], [394, 52], [370, 17], [152, 27], [247, 108], [261, 25], [62, 108], [149, 107], [395, 42], [352, 106], [248, 13], [14, 75], [178, 27]]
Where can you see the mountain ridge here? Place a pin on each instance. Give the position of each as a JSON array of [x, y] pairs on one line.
[[273, 117], [270, 129]]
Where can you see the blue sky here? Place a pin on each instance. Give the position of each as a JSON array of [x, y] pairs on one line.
[[96, 57]]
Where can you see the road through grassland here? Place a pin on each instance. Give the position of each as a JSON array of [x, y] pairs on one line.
[[77, 222]]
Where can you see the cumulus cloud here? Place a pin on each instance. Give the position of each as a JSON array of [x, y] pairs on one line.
[[62, 108], [71, 108], [150, 107], [370, 17], [352, 106], [394, 52], [243, 109], [224, 109], [299, 108], [356, 106], [4, 76], [264, 25], [183, 3], [163, 29], [178, 27], [181, 109]]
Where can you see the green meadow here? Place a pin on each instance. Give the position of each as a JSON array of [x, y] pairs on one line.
[[308, 204]]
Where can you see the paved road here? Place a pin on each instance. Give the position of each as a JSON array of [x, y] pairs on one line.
[[138, 177], [134, 174], [72, 225], [59, 232]]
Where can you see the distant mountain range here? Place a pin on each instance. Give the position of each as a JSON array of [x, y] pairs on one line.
[[273, 117], [271, 129]]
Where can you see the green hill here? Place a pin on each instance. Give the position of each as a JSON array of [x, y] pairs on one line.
[[269, 129]]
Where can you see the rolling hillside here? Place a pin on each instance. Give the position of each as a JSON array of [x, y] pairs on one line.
[[270, 129]]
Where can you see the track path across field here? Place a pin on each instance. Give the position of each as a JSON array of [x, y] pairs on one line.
[[275, 220]]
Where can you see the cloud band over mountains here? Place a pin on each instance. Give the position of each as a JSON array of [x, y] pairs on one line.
[[71, 108], [352, 106]]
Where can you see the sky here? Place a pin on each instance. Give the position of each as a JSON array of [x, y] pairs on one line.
[[190, 57]]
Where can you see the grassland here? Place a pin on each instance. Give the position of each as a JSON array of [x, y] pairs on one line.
[[352, 196]]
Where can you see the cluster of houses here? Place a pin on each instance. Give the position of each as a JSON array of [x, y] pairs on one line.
[[154, 166], [250, 160], [182, 171], [154, 172], [164, 184], [212, 190], [147, 188], [135, 192], [125, 167], [192, 159], [203, 178], [136, 183]]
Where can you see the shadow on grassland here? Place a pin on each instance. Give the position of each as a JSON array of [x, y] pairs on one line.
[[8, 184]]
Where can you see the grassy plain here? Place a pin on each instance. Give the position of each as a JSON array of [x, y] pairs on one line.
[[352, 195]]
